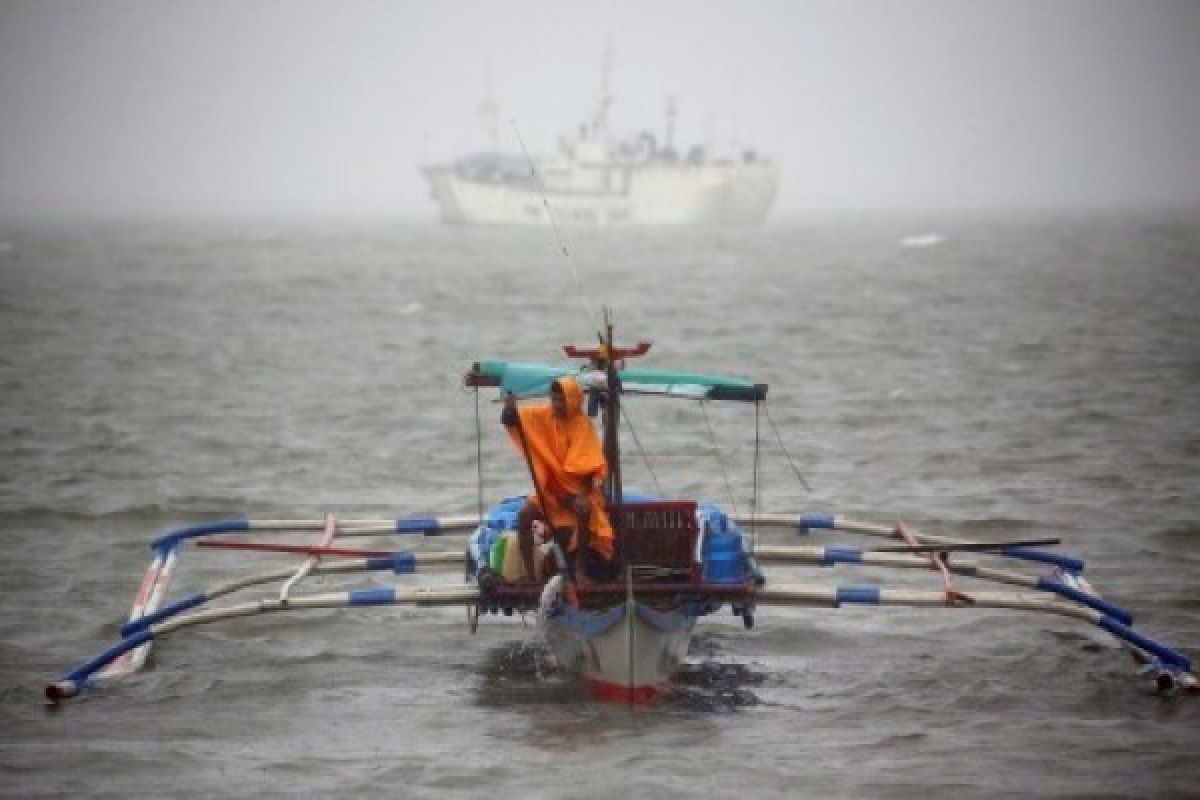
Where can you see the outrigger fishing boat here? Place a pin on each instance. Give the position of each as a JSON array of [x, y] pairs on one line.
[[680, 560]]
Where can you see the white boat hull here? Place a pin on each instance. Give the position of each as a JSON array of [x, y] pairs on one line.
[[622, 656]]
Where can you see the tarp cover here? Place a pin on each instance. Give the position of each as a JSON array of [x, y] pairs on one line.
[[528, 379]]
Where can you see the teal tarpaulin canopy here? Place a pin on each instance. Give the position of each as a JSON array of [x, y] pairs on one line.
[[528, 379]]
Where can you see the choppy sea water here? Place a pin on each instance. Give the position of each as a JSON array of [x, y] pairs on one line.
[[997, 379]]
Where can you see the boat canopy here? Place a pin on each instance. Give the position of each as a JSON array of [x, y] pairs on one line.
[[530, 379]]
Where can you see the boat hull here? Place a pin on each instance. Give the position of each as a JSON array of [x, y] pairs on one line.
[[626, 653]]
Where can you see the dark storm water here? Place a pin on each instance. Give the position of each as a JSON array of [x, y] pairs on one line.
[[1019, 379]]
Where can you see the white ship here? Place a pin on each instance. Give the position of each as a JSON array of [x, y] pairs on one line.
[[599, 179]]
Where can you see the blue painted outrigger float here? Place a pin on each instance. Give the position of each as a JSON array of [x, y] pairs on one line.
[[680, 561]]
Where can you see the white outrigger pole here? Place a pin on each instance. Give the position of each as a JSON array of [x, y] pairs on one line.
[[1064, 592], [149, 615]]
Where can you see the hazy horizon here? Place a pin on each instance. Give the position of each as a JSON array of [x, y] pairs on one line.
[[278, 110]]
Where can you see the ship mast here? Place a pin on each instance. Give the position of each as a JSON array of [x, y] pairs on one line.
[[670, 137], [600, 120], [489, 111]]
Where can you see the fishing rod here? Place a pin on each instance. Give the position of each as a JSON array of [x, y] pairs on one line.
[[605, 335], [590, 307]]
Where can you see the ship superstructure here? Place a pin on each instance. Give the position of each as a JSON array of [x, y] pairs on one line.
[[597, 178]]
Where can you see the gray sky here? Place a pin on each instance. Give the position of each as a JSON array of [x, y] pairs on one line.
[[327, 108]]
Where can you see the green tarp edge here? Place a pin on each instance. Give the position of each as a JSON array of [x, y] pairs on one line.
[[528, 379]]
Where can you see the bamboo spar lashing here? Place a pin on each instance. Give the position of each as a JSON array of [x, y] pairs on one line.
[[325, 541]]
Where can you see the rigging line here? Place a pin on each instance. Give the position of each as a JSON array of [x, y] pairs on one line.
[[590, 307], [720, 461], [645, 457], [783, 447], [479, 454], [754, 495]]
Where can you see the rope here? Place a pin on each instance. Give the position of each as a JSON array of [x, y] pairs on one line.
[[783, 447], [937, 560], [590, 306], [645, 458], [720, 462], [479, 455], [754, 494]]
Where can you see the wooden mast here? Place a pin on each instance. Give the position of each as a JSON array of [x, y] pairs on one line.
[[612, 421], [607, 358]]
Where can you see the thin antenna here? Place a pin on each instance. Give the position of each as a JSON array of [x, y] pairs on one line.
[[600, 120], [671, 113]]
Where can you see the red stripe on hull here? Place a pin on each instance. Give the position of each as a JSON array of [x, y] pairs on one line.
[[620, 693]]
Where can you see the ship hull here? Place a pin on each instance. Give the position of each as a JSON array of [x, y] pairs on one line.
[[655, 194]]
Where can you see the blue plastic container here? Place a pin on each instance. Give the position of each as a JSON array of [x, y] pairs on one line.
[[724, 561]]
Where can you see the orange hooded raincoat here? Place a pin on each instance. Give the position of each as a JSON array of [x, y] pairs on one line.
[[564, 452]]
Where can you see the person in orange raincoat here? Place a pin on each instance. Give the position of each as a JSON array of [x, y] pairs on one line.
[[569, 466]]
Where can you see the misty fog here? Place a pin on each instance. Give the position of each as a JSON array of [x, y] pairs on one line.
[[270, 108]]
